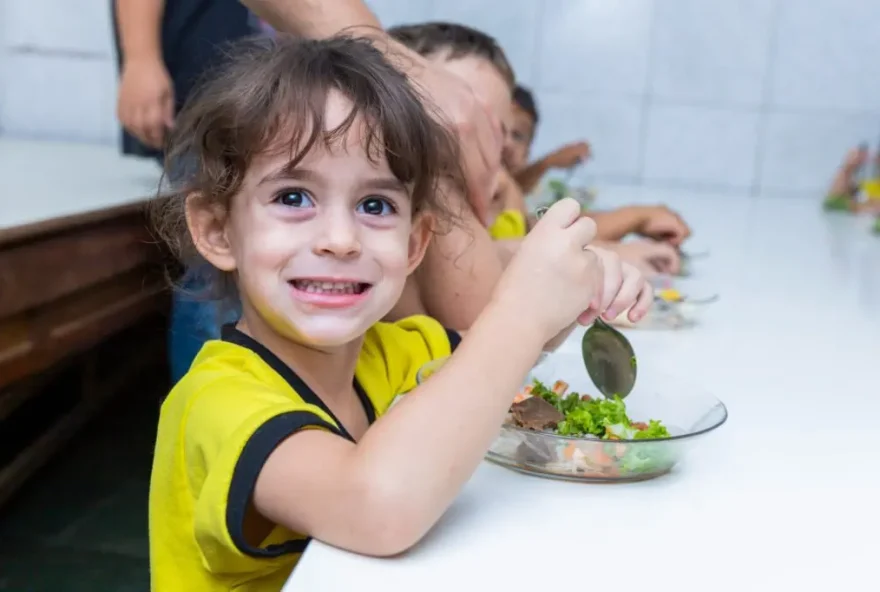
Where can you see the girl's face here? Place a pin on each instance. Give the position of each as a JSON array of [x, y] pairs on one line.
[[321, 251]]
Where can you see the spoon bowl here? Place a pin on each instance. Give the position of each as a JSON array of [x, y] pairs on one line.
[[610, 359]]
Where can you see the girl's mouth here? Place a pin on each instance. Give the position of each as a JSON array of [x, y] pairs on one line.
[[329, 293], [330, 287]]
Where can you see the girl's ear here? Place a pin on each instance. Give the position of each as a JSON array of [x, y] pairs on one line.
[[207, 223], [419, 237]]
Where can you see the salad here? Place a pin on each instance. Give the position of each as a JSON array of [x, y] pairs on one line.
[[573, 414], [568, 435], [837, 203]]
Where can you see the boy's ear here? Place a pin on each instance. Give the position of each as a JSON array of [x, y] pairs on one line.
[[419, 238], [207, 223]]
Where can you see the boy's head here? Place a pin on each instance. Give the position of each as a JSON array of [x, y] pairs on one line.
[[522, 129], [471, 54], [312, 170]]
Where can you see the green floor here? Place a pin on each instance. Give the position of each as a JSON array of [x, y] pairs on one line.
[[81, 524]]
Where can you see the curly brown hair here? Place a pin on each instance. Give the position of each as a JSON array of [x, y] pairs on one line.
[[269, 97]]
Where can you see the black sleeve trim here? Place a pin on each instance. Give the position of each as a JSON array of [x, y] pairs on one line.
[[241, 489], [454, 339]]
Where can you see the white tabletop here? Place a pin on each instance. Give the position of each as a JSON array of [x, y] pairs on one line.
[[44, 180], [784, 496]]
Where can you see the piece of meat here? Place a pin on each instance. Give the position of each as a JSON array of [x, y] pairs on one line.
[[536, 414]]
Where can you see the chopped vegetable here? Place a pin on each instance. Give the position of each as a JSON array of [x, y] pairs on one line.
[[837, 203], [558, 189], [603, 418], [670, 295]]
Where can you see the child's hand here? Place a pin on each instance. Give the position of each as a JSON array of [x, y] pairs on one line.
[[649, 257], [855, 159], [568, 156], [623, 287], [553, 278], [662, 224]]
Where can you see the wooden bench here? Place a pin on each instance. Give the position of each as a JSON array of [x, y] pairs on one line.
[[82, 297]]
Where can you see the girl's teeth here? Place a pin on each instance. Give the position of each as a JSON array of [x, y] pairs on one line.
[[327, 287]]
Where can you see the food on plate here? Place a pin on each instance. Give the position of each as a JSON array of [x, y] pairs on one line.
[[577, 436], [535, 413], [539, 408], [670, 295], [838, 203]]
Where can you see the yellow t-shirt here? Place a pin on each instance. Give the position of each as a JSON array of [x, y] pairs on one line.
[[217, 428], [508, 225]]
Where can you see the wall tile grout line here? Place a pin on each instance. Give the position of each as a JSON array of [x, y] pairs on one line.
[[647, 97], [765, 108]]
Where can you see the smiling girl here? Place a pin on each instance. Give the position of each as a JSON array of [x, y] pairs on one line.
[[311, 199]]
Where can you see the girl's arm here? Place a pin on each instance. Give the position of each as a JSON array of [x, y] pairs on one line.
[[380, 496]]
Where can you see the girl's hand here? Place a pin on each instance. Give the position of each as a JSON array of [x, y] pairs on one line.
[[624, 287], [553, 278]]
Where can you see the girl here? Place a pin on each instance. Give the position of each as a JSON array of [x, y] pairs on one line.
[[312, 199]]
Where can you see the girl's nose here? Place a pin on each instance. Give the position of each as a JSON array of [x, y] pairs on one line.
[[338, 236]]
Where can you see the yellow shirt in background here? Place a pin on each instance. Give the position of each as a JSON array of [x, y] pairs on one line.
[[509, 224], [218, 427]]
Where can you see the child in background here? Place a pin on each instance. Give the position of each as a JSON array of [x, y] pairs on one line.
[[313, 198], [520, 137], [849, 190], [665, 228], [463, 265]]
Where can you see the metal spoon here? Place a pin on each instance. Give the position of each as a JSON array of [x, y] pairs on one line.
[[608, 355]]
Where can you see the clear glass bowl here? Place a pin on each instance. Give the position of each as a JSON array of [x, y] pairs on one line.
[[687, 412], [666, 315]]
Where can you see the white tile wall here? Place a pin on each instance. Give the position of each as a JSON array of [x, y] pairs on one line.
[[595, 46], [611, 124], [802, 150], [828, 55], [701, 146], [711, 52], [73, 26], [401, 12], [760, 96], [60, 97]]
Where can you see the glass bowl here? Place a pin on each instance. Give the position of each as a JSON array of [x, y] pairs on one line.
[[687, 412], [667, 313]]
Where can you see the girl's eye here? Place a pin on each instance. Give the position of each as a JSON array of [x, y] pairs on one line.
[[376, 206], [295, 198]]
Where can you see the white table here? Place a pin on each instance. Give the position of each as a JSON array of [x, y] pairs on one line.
[[784, 496], [42, 180]]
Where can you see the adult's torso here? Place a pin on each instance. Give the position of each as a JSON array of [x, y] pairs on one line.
[[194, 33]]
